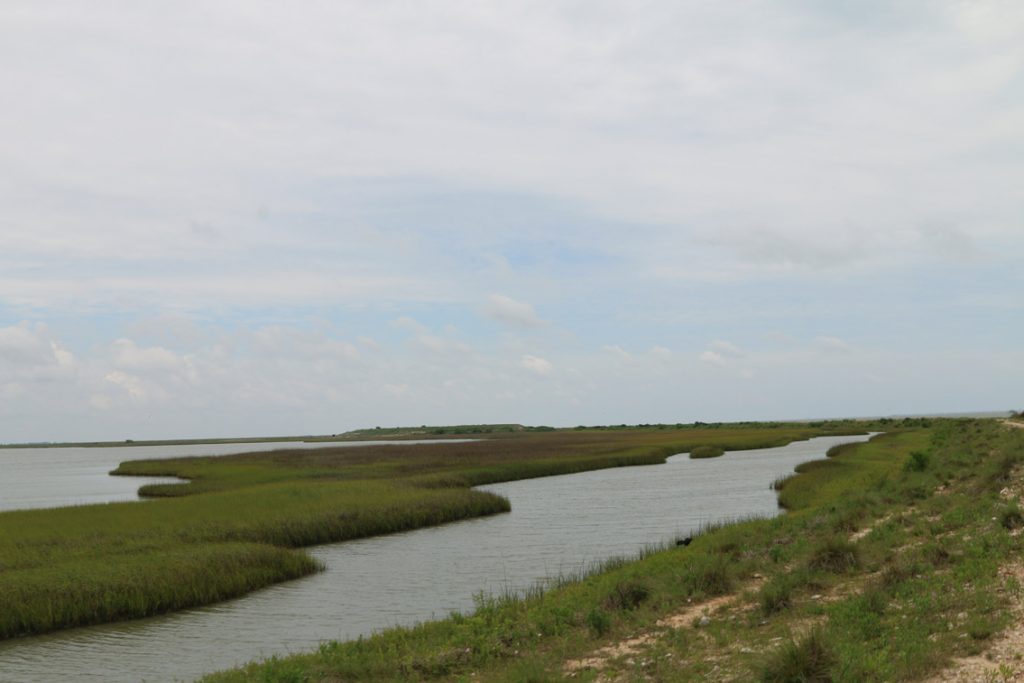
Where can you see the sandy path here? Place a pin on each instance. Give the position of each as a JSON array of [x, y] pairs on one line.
[[1001, 661], [688, 617]]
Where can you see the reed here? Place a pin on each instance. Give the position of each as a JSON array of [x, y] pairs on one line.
[[237, 523], [887, 620]]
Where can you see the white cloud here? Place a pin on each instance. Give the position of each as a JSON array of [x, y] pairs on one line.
[[369, 342], [28, 352], [619, 352], [660, 353], [726, 349], [685, 169], [832, 345], [729, 358], [128, 355], [536, 364], [130, 383], [713, 358], [844, 140], [507, 310], [424, 338]]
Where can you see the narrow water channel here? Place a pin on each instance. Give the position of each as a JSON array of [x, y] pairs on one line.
[[557, 525]]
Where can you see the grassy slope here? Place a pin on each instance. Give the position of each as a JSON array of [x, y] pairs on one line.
[[233, 527], [814, 602]]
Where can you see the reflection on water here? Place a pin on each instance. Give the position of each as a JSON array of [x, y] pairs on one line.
[[557, 524]]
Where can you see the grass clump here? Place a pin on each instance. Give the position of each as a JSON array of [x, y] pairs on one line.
[[627, 595], [807, 660], [708, 576], [779, 483], [1011, 517], [599, 621], [836, 555], [778, 593], [917, 461], [707, 452]]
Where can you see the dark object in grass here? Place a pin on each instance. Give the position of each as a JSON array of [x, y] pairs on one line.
[[684, 541]]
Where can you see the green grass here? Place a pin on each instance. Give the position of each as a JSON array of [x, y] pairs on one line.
[[239, 522], [808, 660], [889, 605], [707, 452]]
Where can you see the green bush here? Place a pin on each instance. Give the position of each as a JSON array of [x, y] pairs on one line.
[[599, 621], [917, 461]]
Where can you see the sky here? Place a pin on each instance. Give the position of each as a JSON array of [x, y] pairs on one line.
[[228, 218]]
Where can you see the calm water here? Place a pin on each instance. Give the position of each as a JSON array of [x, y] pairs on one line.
[[49, 477], [557, 524]]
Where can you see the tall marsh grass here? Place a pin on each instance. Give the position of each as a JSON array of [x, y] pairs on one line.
[[235, 525]]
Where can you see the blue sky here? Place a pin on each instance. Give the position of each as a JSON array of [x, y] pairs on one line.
[[228, 218]]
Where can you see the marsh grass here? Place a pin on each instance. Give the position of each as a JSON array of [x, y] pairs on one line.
[[707, 452], [237, 523], [907, 602]]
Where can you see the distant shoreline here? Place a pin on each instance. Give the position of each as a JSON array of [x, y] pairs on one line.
[[447, 432]]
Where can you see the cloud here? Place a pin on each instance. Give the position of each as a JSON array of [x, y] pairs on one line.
[[253, 210], [29, 352], [511, 312], [619, 352], [726, 349], [369, 343], [713, 358], [423, 338], [832, 345], [305, 177], [660, 353], [128, 355], [130, 383], [536, 364], [720, 353], [729, 357]]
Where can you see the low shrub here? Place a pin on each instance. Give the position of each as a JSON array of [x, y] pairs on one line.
[[708, 576], [627, 595], [835, 555], [599, 621], [917, 461], [809, 660], [1011, 518]]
